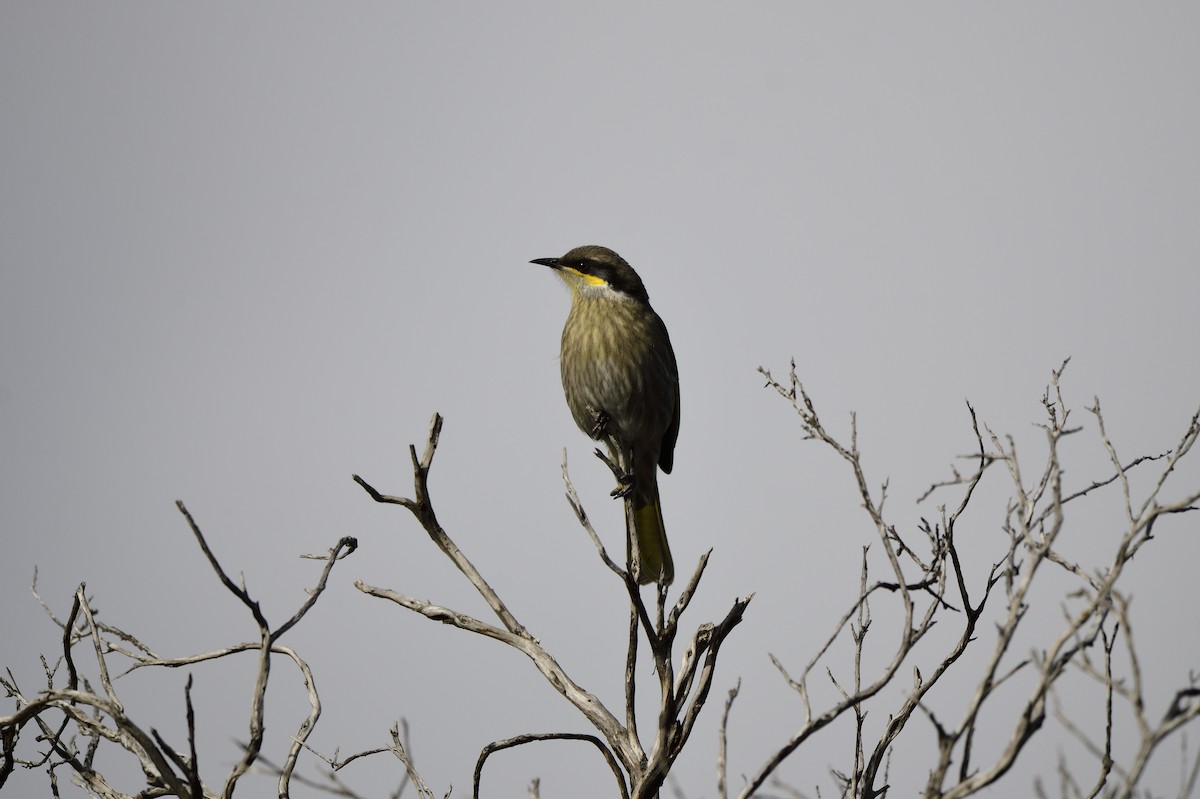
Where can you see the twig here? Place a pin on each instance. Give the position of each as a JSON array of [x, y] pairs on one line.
[[520, 740]]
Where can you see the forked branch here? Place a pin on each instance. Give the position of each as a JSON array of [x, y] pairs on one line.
[[683, 696]]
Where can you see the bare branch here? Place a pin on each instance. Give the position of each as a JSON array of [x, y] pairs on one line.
[[1034, 521], [723, 741], [520, 740], [682, 697]]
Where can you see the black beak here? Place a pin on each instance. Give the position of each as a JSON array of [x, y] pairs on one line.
[[550, 262]]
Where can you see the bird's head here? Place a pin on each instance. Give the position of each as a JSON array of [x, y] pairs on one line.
[[593, 268]]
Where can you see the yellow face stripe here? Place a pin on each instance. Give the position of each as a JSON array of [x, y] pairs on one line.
[[590, 279]]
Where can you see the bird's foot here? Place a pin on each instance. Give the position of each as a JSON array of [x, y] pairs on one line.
[[600, 428], [625, 484]]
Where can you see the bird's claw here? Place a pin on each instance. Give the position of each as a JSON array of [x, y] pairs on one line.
[[625, 487], [600, 428]]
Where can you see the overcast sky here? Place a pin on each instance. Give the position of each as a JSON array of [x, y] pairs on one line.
[[248, 249]]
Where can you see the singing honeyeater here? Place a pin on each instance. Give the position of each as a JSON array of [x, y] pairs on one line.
[[620, 377]]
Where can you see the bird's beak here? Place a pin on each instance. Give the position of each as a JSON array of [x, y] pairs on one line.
[[550, 262]]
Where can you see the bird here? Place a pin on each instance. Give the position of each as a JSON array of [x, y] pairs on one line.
[[622, 386]]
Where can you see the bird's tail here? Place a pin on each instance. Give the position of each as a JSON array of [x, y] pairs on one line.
[[644, 515]]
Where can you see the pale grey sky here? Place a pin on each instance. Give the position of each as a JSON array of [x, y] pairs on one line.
[[249, 249]]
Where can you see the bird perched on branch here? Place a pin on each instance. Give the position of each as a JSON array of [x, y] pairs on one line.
[[622, 385]]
